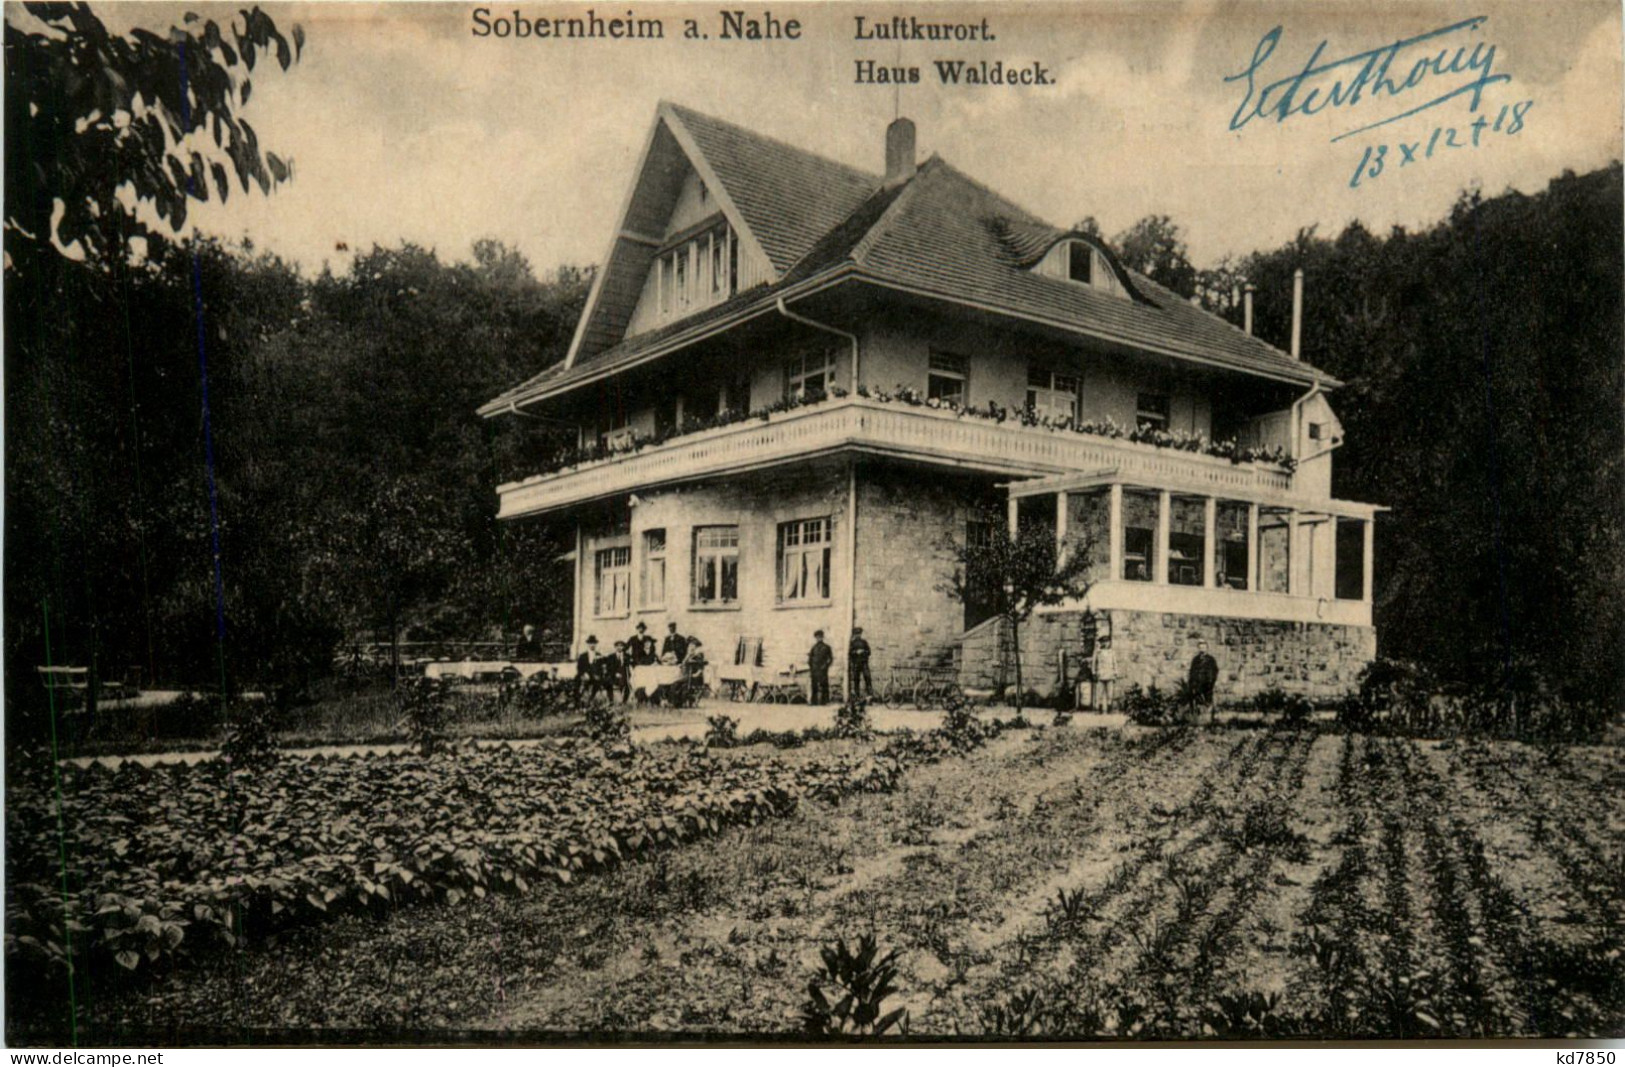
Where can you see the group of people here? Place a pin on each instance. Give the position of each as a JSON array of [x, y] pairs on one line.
[[1203, 676], [821, 657], [611, 673]]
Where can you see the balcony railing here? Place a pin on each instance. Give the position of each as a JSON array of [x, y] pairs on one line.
[[924, 434]]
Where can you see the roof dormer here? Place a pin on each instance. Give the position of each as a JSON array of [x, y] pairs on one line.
[[1080, 261]]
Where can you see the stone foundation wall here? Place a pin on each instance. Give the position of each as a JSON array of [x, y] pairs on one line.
[[1320, 661], [907, 526]]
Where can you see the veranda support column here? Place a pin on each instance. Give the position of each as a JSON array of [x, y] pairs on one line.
[[1165, 505], [1294, 555], [1370, 558], [1252, 548], [1060, 527], [1012, 517], [1210, 519], [1114, 534]]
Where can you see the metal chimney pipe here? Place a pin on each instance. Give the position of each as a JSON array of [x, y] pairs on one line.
[[1297, 313], [1247, 306]]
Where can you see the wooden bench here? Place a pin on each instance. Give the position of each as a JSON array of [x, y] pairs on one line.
[[74, 682]]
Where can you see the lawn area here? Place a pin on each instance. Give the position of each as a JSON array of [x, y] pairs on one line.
[[1068, 882]]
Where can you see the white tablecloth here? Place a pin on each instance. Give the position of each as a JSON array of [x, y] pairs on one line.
[[472, 669], [649, 677]]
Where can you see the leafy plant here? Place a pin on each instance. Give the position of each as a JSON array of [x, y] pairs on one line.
[[250, 738], [852, 720], [424, 703], [847, 994], [607, 724], [723, 732]]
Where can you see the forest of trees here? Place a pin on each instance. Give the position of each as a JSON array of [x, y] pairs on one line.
[[219, 466]]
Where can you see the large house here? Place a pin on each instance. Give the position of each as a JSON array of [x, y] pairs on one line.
[[797, 386]]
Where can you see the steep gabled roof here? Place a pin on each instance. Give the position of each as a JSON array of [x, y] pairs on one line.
[[940, 234], [788, 197]]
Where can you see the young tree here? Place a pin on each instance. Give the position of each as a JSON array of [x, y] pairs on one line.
[[1019, 574]]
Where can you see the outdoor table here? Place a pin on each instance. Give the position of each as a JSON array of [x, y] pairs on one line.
[[652, 676]]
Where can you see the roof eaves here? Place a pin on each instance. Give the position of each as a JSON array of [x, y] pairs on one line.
[[600, 368], [1298, 372]]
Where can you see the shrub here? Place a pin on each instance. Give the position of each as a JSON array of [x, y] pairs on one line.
[[847, 994], [852, 720], [251, 736], [424, 704], [1149, 707], [1293, 709], [723, 732], [607, 724], [961, 726]]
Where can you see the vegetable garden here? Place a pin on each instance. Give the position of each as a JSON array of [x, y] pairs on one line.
[[1057, 883]]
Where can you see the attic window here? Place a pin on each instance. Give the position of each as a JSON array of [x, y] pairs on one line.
[[1080, 263]]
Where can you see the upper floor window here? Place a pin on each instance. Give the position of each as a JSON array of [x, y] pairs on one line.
[[804, 552], [810, 372], [1151, 411], [697, 272], [716, 565], [945, 379], [1052, 393]]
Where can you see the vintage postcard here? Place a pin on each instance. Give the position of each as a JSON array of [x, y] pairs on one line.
[[658, 522]]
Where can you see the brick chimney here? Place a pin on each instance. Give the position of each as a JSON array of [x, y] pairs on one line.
[[900, 165]]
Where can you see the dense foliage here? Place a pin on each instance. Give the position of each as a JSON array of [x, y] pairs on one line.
[[1483, 371]]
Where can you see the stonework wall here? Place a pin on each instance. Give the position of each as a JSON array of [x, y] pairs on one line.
[[1318, 660], [907, 524]]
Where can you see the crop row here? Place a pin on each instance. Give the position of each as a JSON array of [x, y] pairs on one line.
[[146, 867]]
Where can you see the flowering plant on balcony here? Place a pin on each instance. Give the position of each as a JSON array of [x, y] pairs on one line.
[[577, 455], [1178, 440]]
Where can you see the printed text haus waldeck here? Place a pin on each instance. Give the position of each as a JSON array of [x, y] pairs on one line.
[[870, 311]]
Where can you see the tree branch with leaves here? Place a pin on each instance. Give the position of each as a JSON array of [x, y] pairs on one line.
[[1020, 573]]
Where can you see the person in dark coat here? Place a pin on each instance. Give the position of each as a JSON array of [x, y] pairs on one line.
[[819, 657], [857, 664], [618, 672], [529, 648], [642, 647], [588, 670], [675, 645], [1204, 673]]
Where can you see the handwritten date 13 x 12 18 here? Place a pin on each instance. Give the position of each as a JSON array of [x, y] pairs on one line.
[[1378, 159]]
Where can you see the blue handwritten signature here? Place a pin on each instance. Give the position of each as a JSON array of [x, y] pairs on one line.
[[1370, 76]]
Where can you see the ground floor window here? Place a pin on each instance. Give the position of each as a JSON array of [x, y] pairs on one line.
[[1350, 559], [612, 588], [654, 568], [1186, 537], [1139, 535], [716, 565], [1274, 550], [804, 556], [1230, 545]]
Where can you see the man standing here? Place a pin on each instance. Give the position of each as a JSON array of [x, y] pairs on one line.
[[1104, 669], [642, 647], [675, 645], [857, 664], [618, 673], [818, 660], [588, 666], [1204, 673]]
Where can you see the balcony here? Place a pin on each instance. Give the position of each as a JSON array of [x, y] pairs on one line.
[[900, 431]]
